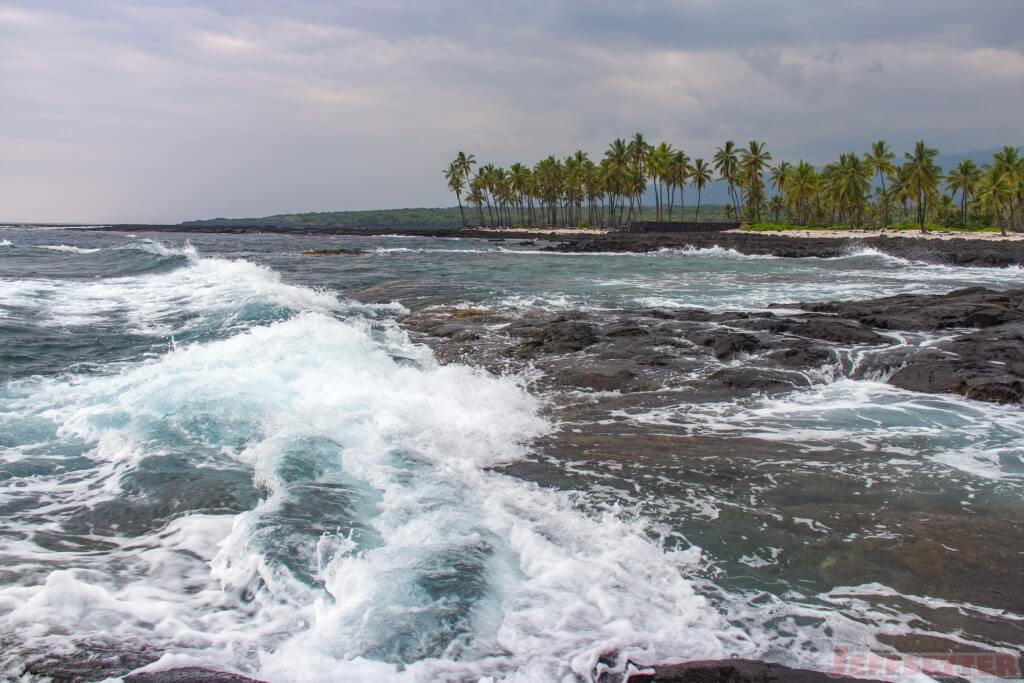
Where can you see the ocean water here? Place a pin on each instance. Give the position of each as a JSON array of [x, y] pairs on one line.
[[216, 451]]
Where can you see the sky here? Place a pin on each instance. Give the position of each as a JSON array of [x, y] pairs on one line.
[[170, 110]]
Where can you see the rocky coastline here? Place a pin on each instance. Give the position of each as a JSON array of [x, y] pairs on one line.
[[954, 252], [968, 343]]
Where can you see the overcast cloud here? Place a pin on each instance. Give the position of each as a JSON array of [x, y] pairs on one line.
[[165, 110]]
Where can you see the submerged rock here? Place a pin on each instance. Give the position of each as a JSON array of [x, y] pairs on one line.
[[738, 671], [331, 252], [190, 674]]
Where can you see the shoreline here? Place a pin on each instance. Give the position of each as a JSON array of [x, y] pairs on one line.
[[829, 233], [957, 249]]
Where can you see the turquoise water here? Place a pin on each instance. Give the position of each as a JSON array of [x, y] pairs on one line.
[[222, 452]]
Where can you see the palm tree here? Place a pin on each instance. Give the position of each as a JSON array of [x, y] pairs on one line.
[[880, 164], [962, 179], [727, 166], [852, 181], [678, 172], [995, 194], [639, 151], [476, 197], [658, 162], [465, 163], [457, 184], [700, 176], [924, 177], [1008, 163], [617, 159], [775, 205], [801, 188], [779, 174], [900, 189], [519, 181], [752, 164]]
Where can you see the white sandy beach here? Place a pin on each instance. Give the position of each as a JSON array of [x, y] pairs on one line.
[[854, 234]]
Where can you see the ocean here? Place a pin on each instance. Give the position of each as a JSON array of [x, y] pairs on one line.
[[216, 451]]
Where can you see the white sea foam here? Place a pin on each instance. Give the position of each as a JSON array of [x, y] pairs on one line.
[[6, 243], [983, 440], [871, 252], [714, 252], [67, 248], [155, 303], [560, 590]]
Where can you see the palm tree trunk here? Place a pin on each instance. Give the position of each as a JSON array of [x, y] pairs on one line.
[[461, 211], [697, 216], [922, 209], [885, 202]]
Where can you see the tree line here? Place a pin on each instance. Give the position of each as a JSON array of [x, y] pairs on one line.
[[857, 190]]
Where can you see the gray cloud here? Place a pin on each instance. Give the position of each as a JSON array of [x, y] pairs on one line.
[[161, 111]]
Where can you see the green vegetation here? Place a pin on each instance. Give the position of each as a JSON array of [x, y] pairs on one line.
[[610, 192]]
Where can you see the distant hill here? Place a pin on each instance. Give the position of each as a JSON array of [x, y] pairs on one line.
[[447, 217], [379, 218]]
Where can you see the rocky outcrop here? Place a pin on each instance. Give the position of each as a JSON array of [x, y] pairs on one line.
[[969, 307], [737, 353], [987, 365]]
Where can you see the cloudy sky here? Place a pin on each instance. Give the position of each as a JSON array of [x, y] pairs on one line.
[[166, 110]]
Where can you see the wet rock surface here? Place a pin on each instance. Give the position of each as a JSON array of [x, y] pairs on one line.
[[744, 351], [189, 675]]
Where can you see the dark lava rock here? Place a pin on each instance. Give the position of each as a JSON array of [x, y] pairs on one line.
[[652, 349], [600, 376], [725, 344], [822, 327], [190, 674], [969, 307], [806, 357], [738, 671], [561, 336], [759, 379], [987, 365]]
